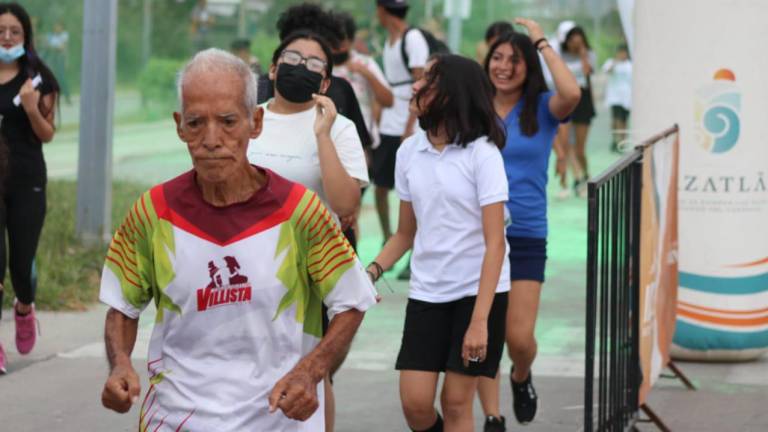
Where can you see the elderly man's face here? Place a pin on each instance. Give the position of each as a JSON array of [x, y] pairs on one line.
[[215, 124]]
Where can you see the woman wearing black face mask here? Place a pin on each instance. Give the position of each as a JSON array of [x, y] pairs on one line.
[[304, 139]]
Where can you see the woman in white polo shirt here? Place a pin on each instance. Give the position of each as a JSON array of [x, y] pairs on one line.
[[452, 186]]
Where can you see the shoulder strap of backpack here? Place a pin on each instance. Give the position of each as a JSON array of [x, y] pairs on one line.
[[404, 57]]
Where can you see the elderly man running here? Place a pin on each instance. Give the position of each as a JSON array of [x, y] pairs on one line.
[[238, 262]]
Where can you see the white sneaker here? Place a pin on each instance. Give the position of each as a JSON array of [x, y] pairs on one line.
[[564, 194], [582, 191]]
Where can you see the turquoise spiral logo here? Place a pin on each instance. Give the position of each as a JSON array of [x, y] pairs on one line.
[[717, 113], [724, 125]]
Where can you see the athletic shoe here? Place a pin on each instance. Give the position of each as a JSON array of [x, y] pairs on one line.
[[580, 187], [524, 398], [564, 194], [2, 360], [495, 424], [26, 334]]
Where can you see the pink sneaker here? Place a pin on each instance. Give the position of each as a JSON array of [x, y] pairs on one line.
[[2, 360], [26, 334]]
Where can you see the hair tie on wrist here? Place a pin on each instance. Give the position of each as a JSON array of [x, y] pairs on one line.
[[539, 41], [379, 269]]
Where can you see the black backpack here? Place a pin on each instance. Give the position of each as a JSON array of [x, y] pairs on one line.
[[435, 46]]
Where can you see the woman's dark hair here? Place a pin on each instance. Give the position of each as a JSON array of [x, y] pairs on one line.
[[571, 33], [312, 17], [30, 63], [497, 29], [347, 23], [305, 34], [462, 101], [534, 83]]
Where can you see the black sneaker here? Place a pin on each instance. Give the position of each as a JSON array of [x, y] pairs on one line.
[[495, 424], [524, 399]]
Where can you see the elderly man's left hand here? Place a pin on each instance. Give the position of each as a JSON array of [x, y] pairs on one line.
[[326, 115], [295, 394]]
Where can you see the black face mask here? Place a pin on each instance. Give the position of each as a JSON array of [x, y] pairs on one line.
[[340, 57], [297, 83]]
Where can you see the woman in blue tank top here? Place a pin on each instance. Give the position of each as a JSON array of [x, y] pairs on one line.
[[531, 116]]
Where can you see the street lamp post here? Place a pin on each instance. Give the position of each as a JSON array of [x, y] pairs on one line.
[[94, 166]]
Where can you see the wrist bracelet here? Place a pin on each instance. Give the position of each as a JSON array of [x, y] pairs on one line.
[[379, 269], [539, 41], [372, 276]]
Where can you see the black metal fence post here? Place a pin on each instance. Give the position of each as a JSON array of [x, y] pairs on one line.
[[613, 294]]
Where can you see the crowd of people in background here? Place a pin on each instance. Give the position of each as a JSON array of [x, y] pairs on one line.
[[466, 144]]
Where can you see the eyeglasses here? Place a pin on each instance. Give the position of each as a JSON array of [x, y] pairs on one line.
[[295, 58]]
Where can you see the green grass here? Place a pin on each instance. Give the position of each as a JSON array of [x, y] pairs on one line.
[[69, 272]]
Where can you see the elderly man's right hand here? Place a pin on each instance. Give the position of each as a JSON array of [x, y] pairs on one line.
[[121, 389], [295, 394]]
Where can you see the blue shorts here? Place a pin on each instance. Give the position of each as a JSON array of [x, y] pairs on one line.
[[527, 258]]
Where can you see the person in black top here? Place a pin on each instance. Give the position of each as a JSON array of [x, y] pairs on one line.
[[28, 97]]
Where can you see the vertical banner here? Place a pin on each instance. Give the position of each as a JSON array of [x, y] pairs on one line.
[[658, 258], [695, 64]]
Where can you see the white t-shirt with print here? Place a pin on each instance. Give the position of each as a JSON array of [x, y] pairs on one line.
[[287, 145], [618, 90], [447, 191], [394, 118], [362, 87]]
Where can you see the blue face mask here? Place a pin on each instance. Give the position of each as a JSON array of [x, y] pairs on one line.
[[11, 54]]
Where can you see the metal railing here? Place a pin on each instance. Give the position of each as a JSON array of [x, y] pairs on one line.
[[613, 294]]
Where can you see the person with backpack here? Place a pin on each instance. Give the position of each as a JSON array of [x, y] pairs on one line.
[[405, 54]]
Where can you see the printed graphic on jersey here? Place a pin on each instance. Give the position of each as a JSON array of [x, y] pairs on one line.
[[226, 287]]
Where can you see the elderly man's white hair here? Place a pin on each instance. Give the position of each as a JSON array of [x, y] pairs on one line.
[[216, 60]]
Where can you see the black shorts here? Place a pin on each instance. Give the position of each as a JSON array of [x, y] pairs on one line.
[[434, 333], [527, 258], [585, 110], [383, 167], [620, 113]]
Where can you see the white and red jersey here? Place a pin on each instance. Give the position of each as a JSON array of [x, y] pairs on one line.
[[238, 292]]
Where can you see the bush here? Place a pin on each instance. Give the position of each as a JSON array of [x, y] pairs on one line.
[[157, 84]]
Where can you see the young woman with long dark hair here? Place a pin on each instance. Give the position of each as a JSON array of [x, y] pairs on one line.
[[580, 59], [531, 116], [27, 111], [452, 187]]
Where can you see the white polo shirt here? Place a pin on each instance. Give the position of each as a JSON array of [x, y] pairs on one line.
[[448, 190]]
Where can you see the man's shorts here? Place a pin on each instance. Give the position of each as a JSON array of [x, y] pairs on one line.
[[527, 258], [384, 156], [434, 334]]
